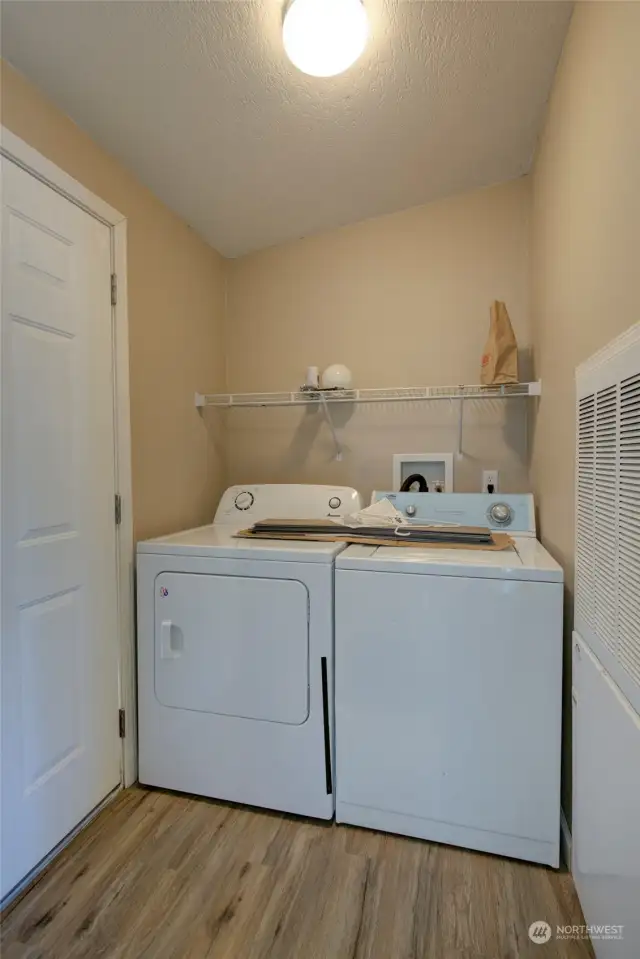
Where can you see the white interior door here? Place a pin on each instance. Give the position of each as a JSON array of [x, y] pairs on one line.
[[60, 744]]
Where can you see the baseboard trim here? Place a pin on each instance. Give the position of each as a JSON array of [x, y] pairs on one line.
[[565, 840]]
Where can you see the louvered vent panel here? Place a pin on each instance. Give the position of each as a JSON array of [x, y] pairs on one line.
[[629, 526], [605, 513], [585, 503], [608, 505]]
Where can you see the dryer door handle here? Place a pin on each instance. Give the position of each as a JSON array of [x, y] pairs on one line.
[[168, 648]]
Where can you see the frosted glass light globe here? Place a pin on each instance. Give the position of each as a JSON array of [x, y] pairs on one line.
[[324, 37], [336, 377]]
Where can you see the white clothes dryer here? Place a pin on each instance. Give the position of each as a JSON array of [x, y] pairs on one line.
[[235, 655]]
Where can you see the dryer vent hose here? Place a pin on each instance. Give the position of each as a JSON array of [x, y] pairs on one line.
[[415, 478]]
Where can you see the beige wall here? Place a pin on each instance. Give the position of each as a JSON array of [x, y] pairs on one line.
[[403, 300], [176, 306], [585, 242]]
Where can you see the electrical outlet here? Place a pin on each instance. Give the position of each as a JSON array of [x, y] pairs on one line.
[[490, 481]]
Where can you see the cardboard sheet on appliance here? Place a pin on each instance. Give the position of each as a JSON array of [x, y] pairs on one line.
[[497, 541]]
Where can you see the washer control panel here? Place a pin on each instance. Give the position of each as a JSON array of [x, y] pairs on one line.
[[508, 511]]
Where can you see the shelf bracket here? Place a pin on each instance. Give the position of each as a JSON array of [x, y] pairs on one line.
[[460, 426], [327, 416]]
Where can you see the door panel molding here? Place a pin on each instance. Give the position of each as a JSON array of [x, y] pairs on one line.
[[39, 166]]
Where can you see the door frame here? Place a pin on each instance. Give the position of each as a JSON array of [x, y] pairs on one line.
[[25, 156]]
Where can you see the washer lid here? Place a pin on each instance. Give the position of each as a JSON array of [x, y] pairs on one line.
[[528, 560], [217, 541]]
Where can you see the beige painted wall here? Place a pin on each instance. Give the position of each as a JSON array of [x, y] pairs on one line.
[[176, 306], [403, 300], [585, 244]]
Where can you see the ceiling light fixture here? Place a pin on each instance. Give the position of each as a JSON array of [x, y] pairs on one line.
[[324, 37]]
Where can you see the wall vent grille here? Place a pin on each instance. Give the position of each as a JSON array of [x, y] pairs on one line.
[[608, 503], [629, 526], [585, 503], [605, 510]]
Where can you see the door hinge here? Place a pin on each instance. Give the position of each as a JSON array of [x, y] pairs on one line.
[[114, 289], [121, 723], [118, 509]]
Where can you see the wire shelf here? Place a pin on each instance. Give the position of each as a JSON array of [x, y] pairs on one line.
[[399, 395]]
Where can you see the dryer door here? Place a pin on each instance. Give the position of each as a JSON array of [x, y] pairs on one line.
[[233, 645]]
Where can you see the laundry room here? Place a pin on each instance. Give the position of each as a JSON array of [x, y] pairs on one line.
[[320, 479]]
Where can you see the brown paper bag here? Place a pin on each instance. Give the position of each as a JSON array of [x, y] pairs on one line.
[[500, 357]]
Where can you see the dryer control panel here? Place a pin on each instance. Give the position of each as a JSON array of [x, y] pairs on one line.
[[248, 504]]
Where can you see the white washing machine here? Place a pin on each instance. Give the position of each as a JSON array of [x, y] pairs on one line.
[[448, 684], [235, 655]]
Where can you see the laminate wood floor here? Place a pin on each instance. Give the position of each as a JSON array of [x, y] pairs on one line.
[[165, 876]]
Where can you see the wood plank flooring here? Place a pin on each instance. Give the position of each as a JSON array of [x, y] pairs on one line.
[[165, 876]]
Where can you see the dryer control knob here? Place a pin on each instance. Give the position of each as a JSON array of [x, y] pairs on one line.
[[500, 514], [244, 500], [410, 510], [335, 502]]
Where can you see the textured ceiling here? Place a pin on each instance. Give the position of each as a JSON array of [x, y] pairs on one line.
[[199, 100]]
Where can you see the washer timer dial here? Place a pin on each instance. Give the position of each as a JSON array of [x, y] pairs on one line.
[[500, 514], [244, 500], [335, 502]]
